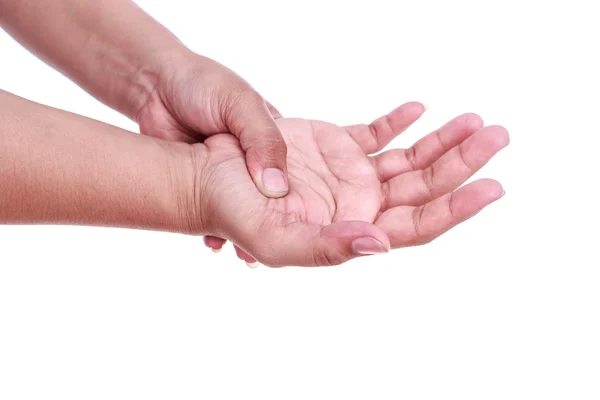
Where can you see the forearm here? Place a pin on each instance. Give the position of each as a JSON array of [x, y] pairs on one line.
[[61, 168], [111, 48]]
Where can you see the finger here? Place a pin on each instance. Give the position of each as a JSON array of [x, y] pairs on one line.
[[424, 152], [314, 245], [446, 174], [375, 136], [251, 121], [216, 244], [411, 226], [242, 255]]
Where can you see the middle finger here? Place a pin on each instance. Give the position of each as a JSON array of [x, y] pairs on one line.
[[447, 173]]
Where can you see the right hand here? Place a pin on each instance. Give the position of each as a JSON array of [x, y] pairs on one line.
[[343, 203], [195, 97]]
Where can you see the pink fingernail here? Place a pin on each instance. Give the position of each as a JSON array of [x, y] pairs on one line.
[[274, 181], [368, 246]]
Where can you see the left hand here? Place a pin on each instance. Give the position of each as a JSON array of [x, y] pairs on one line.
[[195, 97], [395, 187]]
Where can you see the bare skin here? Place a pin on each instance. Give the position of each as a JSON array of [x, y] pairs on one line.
[[177, 95], [127, 60], [344, 203], [61, 168]]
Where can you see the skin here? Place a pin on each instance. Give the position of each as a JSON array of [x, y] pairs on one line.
[[177, 95], [344, 203], [171, 92], [62, 168]]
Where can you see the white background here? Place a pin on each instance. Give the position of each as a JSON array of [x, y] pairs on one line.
[[506, 306]]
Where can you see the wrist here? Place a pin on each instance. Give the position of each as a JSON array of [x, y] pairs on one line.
[[74, 170], [143, 83], [169, 75], [187, 172]]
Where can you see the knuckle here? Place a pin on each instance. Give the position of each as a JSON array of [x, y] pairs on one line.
[[452, 209], [417, 221], [462, 157], [246, 96], [411, 156], [320, 259], [237, 97], [254, 97], [326, 257], [268, 149], [269, 145], [429, 182]]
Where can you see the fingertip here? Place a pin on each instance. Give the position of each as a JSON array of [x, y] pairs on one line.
[[242, 255], [367, 236], [214, 243], [404, 116], [474, 197], [268, 173], [497, 192], [473, 121], [366, 246], [491, 189], [501, 135], [411, 110], [273, 183]]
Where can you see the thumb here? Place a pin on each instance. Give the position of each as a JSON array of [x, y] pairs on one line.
[[314, 245], [261, 140]]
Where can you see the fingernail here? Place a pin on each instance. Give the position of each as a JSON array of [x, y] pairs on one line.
[[503, 193], [274, 181], [425, 107], [368, 246], [216, 250], [252, 265]]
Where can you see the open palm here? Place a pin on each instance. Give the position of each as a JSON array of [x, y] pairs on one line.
[[344, 203]]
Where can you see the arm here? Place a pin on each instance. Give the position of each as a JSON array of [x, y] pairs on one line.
[[60, 168], [56, 167], [111, 48], [130, 62]]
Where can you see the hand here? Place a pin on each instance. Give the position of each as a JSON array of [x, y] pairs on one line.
[[196, 97], [343, 203]]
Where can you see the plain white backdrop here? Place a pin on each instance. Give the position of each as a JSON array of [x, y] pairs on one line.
[[507, 305]]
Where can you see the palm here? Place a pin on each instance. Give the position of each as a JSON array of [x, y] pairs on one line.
[[328, 172], [333, 179]]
